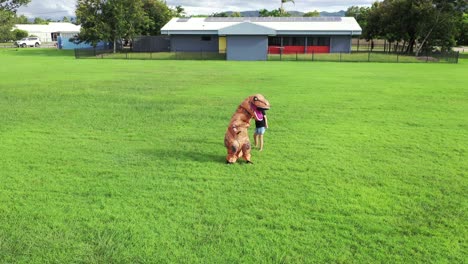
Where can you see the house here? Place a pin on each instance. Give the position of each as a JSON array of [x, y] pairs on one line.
[[60, 32], [253, 38]]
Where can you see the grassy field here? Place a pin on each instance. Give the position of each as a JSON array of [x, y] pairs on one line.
[[122, 161]]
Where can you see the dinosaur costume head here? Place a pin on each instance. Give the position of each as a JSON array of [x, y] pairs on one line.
[[254, 105], [236, 139]]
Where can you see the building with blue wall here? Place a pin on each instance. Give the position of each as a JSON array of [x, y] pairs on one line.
[[253, 38]]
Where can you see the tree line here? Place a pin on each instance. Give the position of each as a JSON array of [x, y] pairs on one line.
[[418, 24]]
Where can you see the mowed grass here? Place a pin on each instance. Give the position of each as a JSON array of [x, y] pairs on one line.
[[122, 161]]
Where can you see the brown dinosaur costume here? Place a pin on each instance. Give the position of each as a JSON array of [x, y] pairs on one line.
[[236, 139]]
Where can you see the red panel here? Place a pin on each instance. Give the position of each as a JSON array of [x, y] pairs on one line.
[[293, 49], [318, 49], [297, 49], [274, 49]]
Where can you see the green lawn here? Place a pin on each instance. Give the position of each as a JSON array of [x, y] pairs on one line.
[[122, 161]]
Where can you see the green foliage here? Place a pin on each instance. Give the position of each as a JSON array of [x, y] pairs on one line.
[[40, 21], [462, 37], [159, 14], [22, 20], [221, 14], [236, 14], [6, 23], [427, 22], [117, 19], [12, 5], [179, 11], [19, 34], [8, 17], [361, 15], [314, 13], [273, 13], [66, 19], [114, 161]]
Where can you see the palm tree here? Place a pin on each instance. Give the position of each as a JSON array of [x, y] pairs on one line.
[[282, 2]]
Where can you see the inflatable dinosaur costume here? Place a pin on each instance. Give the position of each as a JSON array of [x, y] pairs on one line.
[[236, 139]]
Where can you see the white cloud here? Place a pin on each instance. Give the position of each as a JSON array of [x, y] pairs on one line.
[[61, 8], [193, 7], [49, 8]]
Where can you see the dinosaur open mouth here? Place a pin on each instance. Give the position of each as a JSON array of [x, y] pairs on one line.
[[258, 113]]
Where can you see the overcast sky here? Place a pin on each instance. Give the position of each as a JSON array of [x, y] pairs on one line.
[[61, 8]]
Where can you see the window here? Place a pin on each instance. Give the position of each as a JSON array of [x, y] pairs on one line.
[[318, 41], [206, 38], [323, 41], [274, 41]]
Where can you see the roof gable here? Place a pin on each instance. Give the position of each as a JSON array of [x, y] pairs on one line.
[[246, 28]]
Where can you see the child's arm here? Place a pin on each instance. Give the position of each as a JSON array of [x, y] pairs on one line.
[[266, 122]]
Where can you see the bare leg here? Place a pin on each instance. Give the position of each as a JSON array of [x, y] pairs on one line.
[[256, 139], [261, 142]]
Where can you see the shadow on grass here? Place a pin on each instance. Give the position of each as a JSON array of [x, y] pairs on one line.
[[185, 155], [40, 52]]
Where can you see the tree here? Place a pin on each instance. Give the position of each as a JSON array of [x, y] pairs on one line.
[[314, 13], [359, 13], [7, 16], [110, 20], [281, 9], [179, 11], [221, 14], [21, 20], [462, 36], [158, 14], [12, 5], [236, 14], [19, 34], [422, 24], [41, 21], [273, 13], [66, 19]]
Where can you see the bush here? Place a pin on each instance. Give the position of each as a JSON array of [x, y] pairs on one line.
[[19, 34]]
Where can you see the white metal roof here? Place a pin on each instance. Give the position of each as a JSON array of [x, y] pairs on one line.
[[49, 28], [263, 26]]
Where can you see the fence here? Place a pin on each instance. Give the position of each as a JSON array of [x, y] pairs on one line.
[[43, 45], [368, 56], [130, 55], [381, 45], [151, 44], [92, 52], [433, 57]]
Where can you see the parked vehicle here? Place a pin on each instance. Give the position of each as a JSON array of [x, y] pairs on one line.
[[28, 42]]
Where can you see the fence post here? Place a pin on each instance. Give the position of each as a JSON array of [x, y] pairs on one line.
[[151, 55], [126, 55], [398, 57], [457, 56], [368, 56], [281, 55], [340, 55], [313, 52], [357, 44], [296, 55]]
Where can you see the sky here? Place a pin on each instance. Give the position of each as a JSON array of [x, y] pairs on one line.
[[61, 8]]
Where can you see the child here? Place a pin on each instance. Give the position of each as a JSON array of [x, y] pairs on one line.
[[260, 127]]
